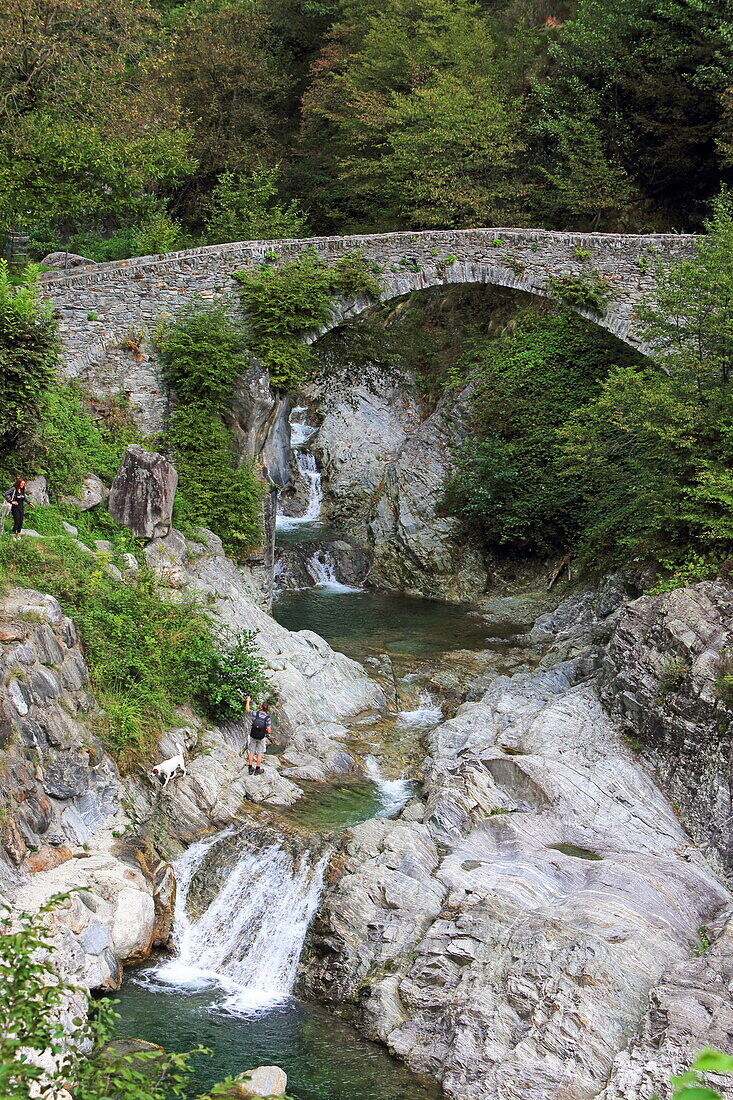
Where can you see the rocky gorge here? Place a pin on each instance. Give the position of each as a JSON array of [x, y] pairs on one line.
[[526, 920]]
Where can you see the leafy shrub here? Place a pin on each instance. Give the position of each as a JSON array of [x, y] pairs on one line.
[[32, 997], [29, 351], [693, 568], [213, 491], [672, 674], [246, 208], [285, 303], [233, 675], [511, 483], [202, 352], [689, 1086], [68, 442], [587, 291], [157, 233]]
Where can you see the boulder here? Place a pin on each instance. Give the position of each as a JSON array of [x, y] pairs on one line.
[[142, 493], [37, 490], [63, 260], [93, 492], [264, 1081]]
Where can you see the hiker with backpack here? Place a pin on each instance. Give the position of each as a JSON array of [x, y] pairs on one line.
[[15, 499], [259, 730]]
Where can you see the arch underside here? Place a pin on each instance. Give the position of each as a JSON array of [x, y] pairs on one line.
[[617, 319]]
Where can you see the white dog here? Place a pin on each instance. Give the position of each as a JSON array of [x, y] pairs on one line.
[[169, 767]]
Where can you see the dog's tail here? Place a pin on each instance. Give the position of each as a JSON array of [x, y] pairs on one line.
[[180, 749]]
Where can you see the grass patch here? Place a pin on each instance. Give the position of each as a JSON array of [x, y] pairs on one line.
[[146, 656]]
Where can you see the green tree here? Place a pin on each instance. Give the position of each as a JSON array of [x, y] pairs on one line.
[[690, 323], [247, 208], [511, 482], [29, 349], [632, 100], [83, 136], [225, 68], [408, 102]]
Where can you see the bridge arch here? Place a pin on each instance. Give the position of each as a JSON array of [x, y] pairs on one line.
[[108, 311]]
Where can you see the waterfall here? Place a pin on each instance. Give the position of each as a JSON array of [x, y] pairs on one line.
[[305, 460], [249, 939], [393, 793], [322, 569]]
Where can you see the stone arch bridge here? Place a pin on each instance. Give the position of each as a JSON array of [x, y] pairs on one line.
[[108, 311]]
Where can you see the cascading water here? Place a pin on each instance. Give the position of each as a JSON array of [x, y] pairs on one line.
[[300, 433], [249, 939], [322, 569], [393, 793], [424, 716]]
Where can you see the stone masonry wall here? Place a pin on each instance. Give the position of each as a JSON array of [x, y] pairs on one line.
[[108, 311]]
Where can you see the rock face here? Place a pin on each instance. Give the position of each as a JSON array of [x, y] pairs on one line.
[[258, 418], [416, 549], [504, 937], [357, 440], [692, 1008], [53, 805], [659, 679], [142, 493]]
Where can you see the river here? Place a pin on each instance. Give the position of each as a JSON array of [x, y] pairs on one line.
[[230, 984]]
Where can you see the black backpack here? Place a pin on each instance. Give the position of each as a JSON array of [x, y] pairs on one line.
[[259, 726]]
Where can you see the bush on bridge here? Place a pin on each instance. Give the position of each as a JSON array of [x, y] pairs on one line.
[[284, 303]]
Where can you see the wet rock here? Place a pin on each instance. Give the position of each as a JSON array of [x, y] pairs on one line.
[[93, 492], [265, 1081], [164, 898], [142, 493]]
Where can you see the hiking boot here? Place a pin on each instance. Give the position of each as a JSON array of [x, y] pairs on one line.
[[250, 769], [259, 771]]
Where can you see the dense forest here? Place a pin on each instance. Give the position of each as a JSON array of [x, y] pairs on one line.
[[137, 126]]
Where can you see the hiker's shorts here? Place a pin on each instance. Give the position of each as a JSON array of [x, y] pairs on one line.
[[257, 745]]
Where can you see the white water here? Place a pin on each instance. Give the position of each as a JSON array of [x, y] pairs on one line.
[[393, 793], [322, 569], [426, 715], [250, 938], [305, 460]]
